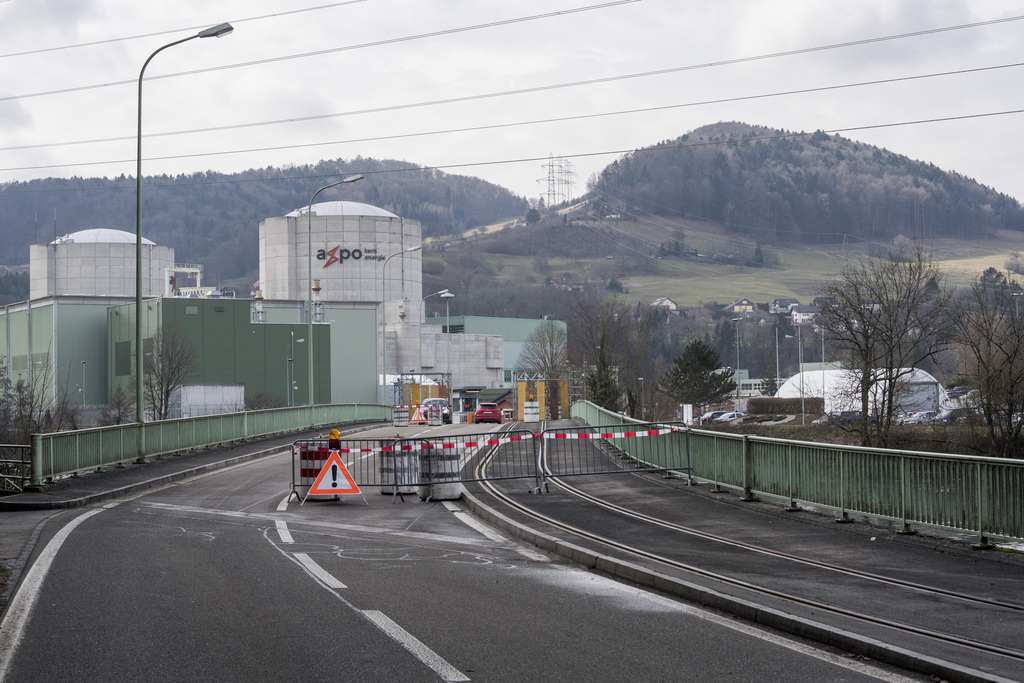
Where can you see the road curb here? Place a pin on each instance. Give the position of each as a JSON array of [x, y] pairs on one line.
[[738, 607]]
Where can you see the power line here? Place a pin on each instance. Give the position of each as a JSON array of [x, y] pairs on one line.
[[319, 53], [579, 155], [107, 41], [563, 119]]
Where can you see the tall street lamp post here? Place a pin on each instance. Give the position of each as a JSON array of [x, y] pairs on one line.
[[309, 274], [737, 320], [800, 368], [423, 313], [448, 296], [83, 389], [213, 32], [384, 320], [642, 411], [290, 369]]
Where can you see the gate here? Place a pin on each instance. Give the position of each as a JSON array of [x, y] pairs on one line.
[[616, 449], [399, 466]]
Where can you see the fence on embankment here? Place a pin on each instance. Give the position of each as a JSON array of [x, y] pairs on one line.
[[63, 453], [961, 493]]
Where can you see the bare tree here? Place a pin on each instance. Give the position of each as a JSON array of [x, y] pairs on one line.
[[545, 350], [168, 362], [545, 354], [886, 316], [120, 409], [989, 329], [597, 344], [25, 410]]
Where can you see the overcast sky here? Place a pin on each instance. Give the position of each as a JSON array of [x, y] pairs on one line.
[[492, 88]]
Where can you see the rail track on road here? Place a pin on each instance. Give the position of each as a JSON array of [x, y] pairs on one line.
[[914, 608]]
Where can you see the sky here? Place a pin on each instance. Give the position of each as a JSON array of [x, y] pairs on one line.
[[495, 89]]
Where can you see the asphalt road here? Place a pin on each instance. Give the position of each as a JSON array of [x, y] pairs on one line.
[[218, 578]]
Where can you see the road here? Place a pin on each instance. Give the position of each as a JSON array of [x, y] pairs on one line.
[[220, 578]]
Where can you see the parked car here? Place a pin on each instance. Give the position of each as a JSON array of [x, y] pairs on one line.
[[488, 412], [446, 411], [729, 417], [956, 415], [920, 417], [711, 416]]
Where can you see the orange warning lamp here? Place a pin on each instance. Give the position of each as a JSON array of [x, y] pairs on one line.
[[531, 397], [334, 440]]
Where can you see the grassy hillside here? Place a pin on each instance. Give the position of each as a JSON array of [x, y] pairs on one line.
[[790, 271]]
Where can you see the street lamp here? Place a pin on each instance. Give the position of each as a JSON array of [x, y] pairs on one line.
[[736, 320], [83, 389], [289, 374], [423, 309], [800, 368], [384, 319], [641, 398], [448, 296], [212, 32], [309, 273]]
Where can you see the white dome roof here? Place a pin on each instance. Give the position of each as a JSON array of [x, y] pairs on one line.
[[343, 209], [101, 236]]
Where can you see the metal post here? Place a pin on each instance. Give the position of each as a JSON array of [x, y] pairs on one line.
[[309, 276], [448, 296], [423, 317], [83, 390], [384, 320], [212, 32]]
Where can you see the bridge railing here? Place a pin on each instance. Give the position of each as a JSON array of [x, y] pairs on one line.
[[63, 453], [961, 493]]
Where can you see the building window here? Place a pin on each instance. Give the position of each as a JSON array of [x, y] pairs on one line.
[[123, 358]]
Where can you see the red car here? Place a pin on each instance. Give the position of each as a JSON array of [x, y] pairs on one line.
[[488, 412]]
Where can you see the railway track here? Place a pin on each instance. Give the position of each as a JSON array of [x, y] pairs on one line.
[[966, 648]]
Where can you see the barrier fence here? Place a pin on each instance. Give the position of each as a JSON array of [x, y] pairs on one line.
[[968, 494], [65, 453], [15, 467], [397, 465]]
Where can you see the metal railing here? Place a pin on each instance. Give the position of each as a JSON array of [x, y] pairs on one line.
[[961, 493], [15, 465], [63, 453]]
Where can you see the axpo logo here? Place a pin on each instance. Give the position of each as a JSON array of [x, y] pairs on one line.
[[339, 255]]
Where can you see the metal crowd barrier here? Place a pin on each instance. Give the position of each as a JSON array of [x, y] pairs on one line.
[[428, 465], [15, 467], [612, 449]]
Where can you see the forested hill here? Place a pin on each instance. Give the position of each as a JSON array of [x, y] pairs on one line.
[[777, 186], [213, 218]]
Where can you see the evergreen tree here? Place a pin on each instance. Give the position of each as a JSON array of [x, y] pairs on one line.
[[695, 377]]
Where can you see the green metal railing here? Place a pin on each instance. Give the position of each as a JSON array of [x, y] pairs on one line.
[[64, 453], [961, 493]]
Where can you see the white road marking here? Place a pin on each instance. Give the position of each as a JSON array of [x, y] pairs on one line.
[[418, 650], [12, 629], [283, 505], [319, 572], [282, 531], [473, 523]]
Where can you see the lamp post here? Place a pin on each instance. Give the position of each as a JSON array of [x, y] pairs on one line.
[[83, 389], [800, 368], [448, 296], [309, 273], [737, 320], [384, 320], [212, 32], [423, 309], [642, 411], [290, 369]]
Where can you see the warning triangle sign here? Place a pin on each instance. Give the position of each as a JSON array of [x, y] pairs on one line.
[[418, 416], [333, 479]]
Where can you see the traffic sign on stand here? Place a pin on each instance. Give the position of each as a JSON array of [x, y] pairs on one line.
[[334, 480]]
